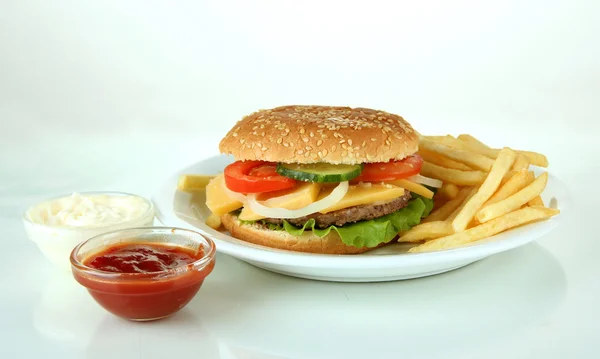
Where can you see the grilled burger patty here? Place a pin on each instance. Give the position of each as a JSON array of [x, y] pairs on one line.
[[350, 214]]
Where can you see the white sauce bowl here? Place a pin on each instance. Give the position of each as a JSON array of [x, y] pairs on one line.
[[57, 236]]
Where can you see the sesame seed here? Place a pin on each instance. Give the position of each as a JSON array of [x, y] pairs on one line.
[[312, 134], [308, 148], [350, 149], [262, 134], [344, 146], [302, 130], [242, 140], [300, 152], [255, 128], [306, 154], [387, 142], [235, 134], [364, 144], [254, 133], [287, 130], [342, 141], [325, 152], [350, 142], [333, 148], [264, 149], [319, 142], [373, 139], [262, 126], [286, 144], [335, 134], [279, 140], [313, 155], [305, 139], [324, 136]]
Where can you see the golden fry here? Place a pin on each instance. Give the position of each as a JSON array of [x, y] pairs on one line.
[[213, 221], [536, 201], [472, 191], [487, 189], [443, 161], [514, 184], [471, 159], [457, 177], [515, 201], [536, 159], [521, 163], [443, 212], [427, 230], [495, 226], [478, 146], [472, 141], [448, 190]]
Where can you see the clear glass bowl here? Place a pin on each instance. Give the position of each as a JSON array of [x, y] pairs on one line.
[[57, 242], [144, 296]]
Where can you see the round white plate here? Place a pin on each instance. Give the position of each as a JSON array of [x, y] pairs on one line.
[[187, 210]]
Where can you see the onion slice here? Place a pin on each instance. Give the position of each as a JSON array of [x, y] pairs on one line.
[[233, 195], [334, 197], [431, 182]]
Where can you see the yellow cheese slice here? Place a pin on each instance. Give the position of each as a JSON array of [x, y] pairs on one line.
[[193, 182], [413, 187], [363, 194], [217, 199], [298, 197]]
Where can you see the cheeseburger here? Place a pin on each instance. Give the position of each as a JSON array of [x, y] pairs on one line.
[[321, 179]]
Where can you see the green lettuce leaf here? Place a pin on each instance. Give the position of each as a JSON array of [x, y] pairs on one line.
[[369, 233]]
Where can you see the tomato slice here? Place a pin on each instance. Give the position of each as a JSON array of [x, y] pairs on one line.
[[389, 171], [255, 177]]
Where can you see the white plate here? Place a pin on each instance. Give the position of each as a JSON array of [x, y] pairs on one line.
[[174, 208]]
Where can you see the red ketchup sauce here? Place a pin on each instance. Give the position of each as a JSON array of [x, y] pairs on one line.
[[138, 258], [136, 285]]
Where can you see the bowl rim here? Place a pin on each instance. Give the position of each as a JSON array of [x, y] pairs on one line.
[[200, 263], [150, 211]]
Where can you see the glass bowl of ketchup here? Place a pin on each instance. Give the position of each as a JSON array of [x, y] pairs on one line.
[[145, 273]]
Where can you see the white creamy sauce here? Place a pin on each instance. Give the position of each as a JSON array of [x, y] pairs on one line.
[[92, 210]]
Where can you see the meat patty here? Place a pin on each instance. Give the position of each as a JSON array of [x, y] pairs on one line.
[[348, 215]]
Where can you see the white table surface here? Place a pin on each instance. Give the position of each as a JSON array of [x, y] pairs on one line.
[[117, 95]]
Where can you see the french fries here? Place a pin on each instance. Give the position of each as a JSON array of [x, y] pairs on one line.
[[439, 160], [515, 201], [536, 159], [513, 185], [448, 191], [427, 230], [443, 212], [457, 177], [488, 229], [486, 191], [213, 221], [536, 201], [521, 163], [473, 160]]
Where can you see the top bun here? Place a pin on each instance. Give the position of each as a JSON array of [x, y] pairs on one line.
[[309, 134]]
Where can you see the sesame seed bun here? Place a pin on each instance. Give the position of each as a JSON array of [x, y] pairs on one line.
[[309, 134], [307, 242]]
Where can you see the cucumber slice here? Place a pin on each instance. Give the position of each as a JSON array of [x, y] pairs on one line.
[[319, 172]]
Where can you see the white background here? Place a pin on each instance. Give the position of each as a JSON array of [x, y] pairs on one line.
[[119, 94]]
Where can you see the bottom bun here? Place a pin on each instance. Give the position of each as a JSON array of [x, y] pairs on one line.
[[307, 242]]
